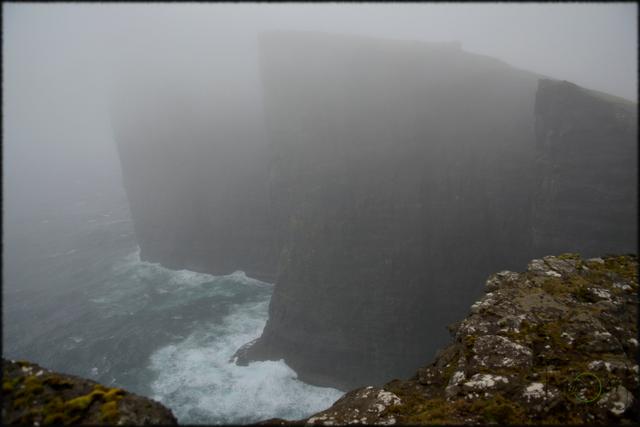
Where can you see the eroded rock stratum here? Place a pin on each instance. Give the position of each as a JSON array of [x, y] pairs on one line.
[[554, 344]]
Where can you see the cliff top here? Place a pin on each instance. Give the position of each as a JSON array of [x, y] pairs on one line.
[[311, 42], [603, 96], [454, 45], [35, 395], [555, 344]]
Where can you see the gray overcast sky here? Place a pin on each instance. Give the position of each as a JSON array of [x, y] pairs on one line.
[[59, 59], [591, 44]]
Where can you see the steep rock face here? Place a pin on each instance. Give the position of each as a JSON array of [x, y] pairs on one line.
[[195, 172], [36, 396], [556, 344], [586, 198], [388, 162], [393, 161]]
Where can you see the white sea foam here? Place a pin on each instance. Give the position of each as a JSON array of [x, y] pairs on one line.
[[174, 280], [151, 270], [193, 375], [197, 381], [241, 277], [133, 278]]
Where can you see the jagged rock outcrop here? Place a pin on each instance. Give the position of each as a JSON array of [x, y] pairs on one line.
[[32, 395], [586, 197], [556, 344]]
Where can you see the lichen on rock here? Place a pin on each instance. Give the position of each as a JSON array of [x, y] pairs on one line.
[[538, 348], [37, 396]]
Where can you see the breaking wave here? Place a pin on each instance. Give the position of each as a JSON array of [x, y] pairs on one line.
[[197, 380], [194, 375]]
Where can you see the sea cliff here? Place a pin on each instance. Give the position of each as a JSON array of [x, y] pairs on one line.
[[555, 344], [391, 177], [395, 161]]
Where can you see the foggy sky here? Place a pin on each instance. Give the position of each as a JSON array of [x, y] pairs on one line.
[[61, 60]]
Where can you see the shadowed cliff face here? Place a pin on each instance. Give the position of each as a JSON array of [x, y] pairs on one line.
[[396, 177], [394, 161], [195, 174], [586, 197], [555, 344]]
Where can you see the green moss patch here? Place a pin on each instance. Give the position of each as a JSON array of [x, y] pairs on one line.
[[26, 391], [109, 412]]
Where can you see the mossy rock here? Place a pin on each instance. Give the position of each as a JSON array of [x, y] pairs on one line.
[[571, 315], [32, 395], [109, 412]]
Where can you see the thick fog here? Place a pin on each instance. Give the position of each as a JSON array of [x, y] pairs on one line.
[[64, 62], [59, 60], [355, 173]]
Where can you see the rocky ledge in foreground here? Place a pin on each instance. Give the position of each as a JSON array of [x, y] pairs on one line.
[[37, 396], [556, 344]]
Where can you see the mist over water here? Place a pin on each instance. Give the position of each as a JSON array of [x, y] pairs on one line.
[[77, 298], [97, 311]]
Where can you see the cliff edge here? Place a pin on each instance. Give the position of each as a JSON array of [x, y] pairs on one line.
[[36, 396], [555, 344], [586, 168]]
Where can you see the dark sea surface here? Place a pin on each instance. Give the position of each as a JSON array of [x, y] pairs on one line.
[[78, 299]]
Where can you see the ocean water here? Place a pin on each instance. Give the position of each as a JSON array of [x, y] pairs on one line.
[[78, 299]]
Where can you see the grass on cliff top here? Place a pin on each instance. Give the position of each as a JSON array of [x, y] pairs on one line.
[[556, 362], [495, 409], [38, 399]]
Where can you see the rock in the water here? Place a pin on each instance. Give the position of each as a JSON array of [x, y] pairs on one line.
[[36, 396]]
